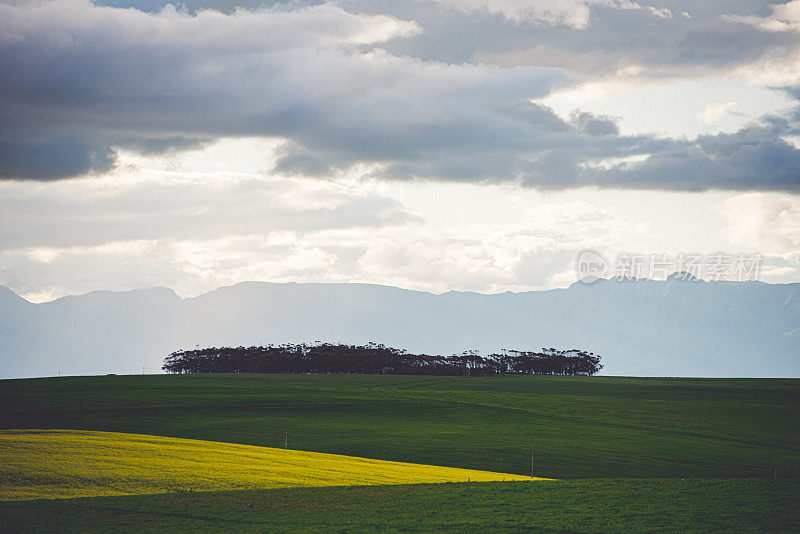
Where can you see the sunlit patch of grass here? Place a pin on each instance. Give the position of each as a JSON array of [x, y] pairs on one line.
[[51, 464]]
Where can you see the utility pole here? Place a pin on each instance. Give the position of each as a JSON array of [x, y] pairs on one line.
[[286, 439], [501, 463], [531, 460]]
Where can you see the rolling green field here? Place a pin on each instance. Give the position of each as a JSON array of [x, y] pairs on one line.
[[595, 429], [581, 427]]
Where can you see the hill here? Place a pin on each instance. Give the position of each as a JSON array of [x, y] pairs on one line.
[[581, 427], [630, 455], [642, 328]]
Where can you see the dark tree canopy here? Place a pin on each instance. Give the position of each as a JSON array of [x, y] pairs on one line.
[[328, 358]]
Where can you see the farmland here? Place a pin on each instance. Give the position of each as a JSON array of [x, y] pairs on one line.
[[625, 442], [626, 505], [62, 464]]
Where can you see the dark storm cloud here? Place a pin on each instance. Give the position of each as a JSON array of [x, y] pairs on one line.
[[154, 81], [156, 146], [754, 158], [91, 77], [53, 159]]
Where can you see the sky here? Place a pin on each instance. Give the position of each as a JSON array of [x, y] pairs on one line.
[[437, 145]]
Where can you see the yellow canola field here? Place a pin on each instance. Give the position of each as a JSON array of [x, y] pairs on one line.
[[49, 464]]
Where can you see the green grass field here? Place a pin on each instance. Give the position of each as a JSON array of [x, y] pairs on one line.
[[603, 505], [581, 427], [594, 429]]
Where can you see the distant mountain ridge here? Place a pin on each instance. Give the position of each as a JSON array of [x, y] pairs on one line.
[[647, 328]]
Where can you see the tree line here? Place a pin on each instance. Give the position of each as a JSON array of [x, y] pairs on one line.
[[329, 358]]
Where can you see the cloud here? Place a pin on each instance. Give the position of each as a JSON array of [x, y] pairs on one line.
[[769, 224], [144, 204], [778, 64], [137, 80], [784, 18], [715, 112], [574, 13], [753, 158], [765, 222], [164, 145], [660, 12], [53, 158], [592, 125], [323, 83], [90, 76], [197, 231], [605, 41]]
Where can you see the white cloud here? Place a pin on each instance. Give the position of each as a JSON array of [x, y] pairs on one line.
[[784, 18], [675, 108], [765, 222], [79, 23], [530, 252], [714, 112], [194, 232], [779, 65], [423, 256], [660, 12], [770, 225], [147, 203]]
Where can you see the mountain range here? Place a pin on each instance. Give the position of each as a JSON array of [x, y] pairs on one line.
[[676, 327]]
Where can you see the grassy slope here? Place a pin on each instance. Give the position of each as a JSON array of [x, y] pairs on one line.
[[36, 464], [591, 428], [655, 505], [581, 427]]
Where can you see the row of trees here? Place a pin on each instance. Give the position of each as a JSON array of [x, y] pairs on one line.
[[327, 358]]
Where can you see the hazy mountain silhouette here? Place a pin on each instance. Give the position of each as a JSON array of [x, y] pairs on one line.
[[666, 328]]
